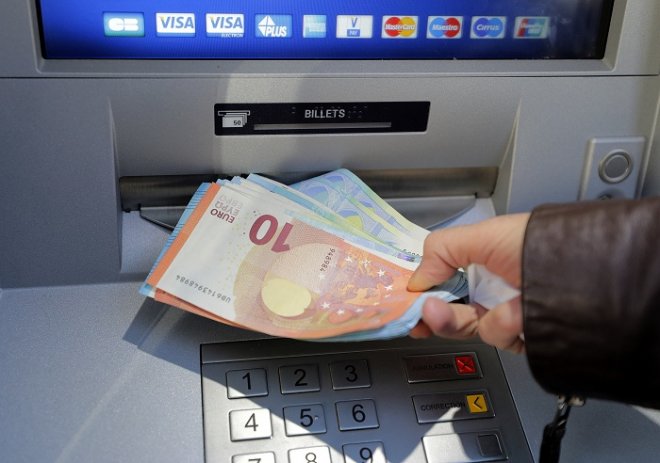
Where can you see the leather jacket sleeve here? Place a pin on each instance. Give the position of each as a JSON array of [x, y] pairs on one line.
[[591, 299]]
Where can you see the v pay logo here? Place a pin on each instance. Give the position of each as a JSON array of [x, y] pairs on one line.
[[355, 27]]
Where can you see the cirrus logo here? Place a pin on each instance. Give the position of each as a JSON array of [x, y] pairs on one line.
[[488, 27], [445, 27]]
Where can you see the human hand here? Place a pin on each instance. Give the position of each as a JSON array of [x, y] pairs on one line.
[[495, 243]]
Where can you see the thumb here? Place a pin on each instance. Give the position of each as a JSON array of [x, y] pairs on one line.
[[495, 243], [445, 251]]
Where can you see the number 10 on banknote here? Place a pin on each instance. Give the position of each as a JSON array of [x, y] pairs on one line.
[[252, 262]]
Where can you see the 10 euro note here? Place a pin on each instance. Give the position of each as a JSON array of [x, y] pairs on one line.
[[249, 262]]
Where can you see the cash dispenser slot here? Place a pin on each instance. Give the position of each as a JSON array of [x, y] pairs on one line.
[[336, 117], [428, 197]]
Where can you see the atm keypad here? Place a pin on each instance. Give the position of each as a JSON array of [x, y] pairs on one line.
[[371, 406]]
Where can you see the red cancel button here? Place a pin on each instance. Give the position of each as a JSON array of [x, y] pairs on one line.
[[465, 365]]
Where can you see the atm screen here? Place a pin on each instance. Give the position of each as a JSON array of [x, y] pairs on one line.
[[356, 29]]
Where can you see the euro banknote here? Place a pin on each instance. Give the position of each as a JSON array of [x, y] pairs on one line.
[[342, 185], [251, 257], [318, 192]]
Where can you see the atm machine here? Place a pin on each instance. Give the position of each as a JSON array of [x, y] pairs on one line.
[[111, 113]]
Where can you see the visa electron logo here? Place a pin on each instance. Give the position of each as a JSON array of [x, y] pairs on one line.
[[399, 27], [273, 26], [532, 27], [225, 25], [488, 27], [123, 24], [179, 24], [445, 27]]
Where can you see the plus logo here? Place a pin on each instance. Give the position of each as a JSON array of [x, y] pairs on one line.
[[273, 26]]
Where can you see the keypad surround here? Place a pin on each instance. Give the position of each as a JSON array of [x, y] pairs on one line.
[[356, 402]]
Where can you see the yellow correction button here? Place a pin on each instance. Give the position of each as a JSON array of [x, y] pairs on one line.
[[477, 403]]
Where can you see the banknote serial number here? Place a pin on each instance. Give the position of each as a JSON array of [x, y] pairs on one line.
[[226, 208], [327, 260], [202, 289]]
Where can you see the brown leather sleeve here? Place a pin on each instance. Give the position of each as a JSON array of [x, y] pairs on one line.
[[591, 299]]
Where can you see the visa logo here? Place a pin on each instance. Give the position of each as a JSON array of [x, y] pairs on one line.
[[225, 25], [123, 24], [273, 26], [354, 27], [179, 24]]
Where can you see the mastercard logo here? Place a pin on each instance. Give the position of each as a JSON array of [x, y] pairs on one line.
[[399, 27]]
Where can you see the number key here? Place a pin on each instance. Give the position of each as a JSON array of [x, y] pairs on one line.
[[357, 414], [366, 452], [266, 457], [310, 455], [299, 378], [246, 383], [250, 424], [350, 374], [304, 419]]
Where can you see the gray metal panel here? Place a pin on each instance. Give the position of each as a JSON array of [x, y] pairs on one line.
[[600, 431], [65, 142], [554, 128], [59, 196], [651, 185], [96, 373]]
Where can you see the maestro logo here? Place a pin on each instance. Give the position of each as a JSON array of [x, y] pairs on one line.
[[445, 27], [488, 27], [399, 27]]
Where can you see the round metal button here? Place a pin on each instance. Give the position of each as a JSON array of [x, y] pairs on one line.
[[615, 167]]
